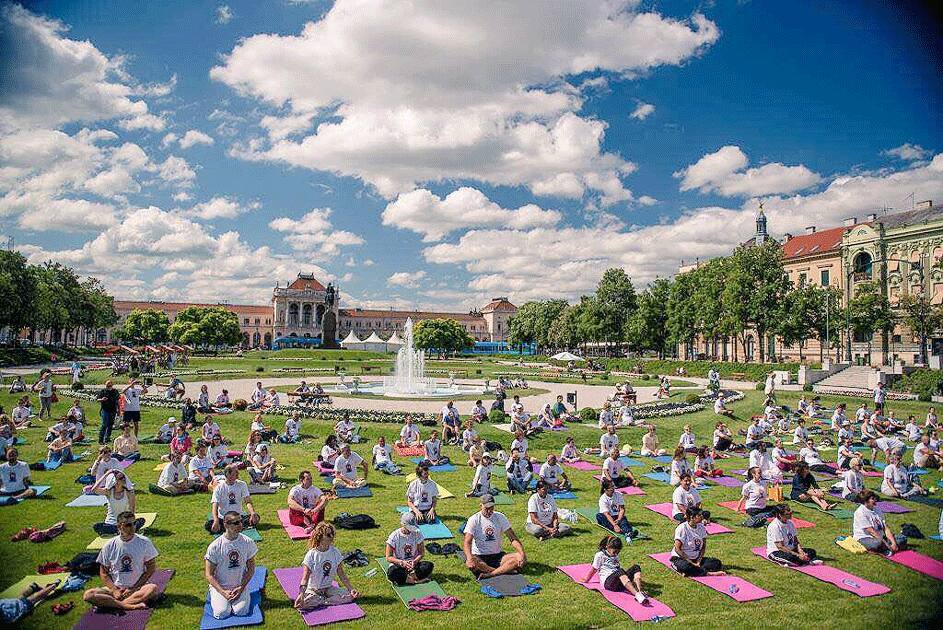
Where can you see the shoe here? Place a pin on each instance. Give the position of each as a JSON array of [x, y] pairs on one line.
[[23, 534], [640, 597], [816, 562]]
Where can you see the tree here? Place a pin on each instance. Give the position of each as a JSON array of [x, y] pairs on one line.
[[648, 327], [206, 326], [56, 298], [922, 317], [442, 335], [682, 311], [97, 308], [532, 322], [868, 312], [615, 303], [17, 286], [145, 326], [565, 330], [708, 300]]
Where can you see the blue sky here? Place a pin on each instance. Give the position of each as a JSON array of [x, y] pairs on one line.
[[433, 157]]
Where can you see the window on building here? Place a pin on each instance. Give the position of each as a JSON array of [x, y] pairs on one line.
[[823, 277], [245, 321], [802, 279], [256, 322], [896, 339]]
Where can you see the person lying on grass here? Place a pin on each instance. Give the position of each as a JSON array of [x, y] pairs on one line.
[[405, 548], [482, 545], [782, 540], [126, 564], [14, 477], [322, 563], [229, 565], [611, 574], [690, 545], [422, 496], [870, 528], [230, 495], [805, 488], [543, 521], [345, 469], [306, 502], [118, 490]]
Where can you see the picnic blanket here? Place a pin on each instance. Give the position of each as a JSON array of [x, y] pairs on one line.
[[254, 618], [410, 592], [732, 586], [410, 451], [841, 579], [127, 620], [290, 579], [649, 611]]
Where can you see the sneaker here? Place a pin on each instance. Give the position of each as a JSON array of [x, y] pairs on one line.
[[816, 562], [640, 597], [888, 553]]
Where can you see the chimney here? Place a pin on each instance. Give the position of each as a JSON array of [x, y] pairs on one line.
[[873, 216], [850, 221], [810, 229], [924, 205]]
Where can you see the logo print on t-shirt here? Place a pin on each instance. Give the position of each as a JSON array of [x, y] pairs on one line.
[[304, 501], [125, 564], [408, 551], [233, 559], [348, 467], [489, 533], [326, 568], [232, 498], [544, 506], [12, 475]]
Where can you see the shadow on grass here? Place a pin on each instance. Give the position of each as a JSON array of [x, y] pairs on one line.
[[181, 599], [154, 532]]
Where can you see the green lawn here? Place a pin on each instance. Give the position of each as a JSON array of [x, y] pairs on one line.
[[178, 535]]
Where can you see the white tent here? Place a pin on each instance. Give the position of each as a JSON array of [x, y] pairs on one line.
[[351, 342], [394, 343], [373, 343], [566, 356]]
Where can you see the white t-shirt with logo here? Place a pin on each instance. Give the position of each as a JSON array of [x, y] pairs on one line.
[[11, 477], [323, 566], [230, 558], [125, 560], [381, 453], [687, 498], [611, 505], [755, 494], [172, 473], [521, 445], [606, 565], [544, 507], [608, 442], [132, 399], [482, 480], [305, 498], [229, 498], [784, 533], [198, 465], [692, 540], [612, 468], [517, 468], [405, 546], [409, 433], [346, 467], [867, 518], [486, 532], [896, 478], [433, 449], [551, 473], [422, 494]]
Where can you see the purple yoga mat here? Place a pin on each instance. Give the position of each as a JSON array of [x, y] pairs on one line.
[[727, 482], [889, 507], [290, 578], [665, 510], [124, 620], [732, 586], [631, 491], [842, 579], [622, 601], [919, 562], [583, 466], [127, 462]]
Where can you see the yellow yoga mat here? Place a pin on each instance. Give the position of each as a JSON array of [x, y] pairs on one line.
[[149, 518], [443, 493], [14, 591], [160, 467]]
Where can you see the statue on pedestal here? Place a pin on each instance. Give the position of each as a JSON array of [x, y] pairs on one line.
[[329, 319]]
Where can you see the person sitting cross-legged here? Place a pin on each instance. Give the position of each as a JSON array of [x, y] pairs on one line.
[[174, 478], [382, 458], [432, 451], [422, 496], [306, 502], [345, 469], [543, 521], [611, 513], [229, 565], [690, 545], [126, 564], [870, 527], [14, 477], [409, 435], [484, 555], [782, 539], [519, 473], [553, 475], [322, 563], [405, 549], [229, 495]]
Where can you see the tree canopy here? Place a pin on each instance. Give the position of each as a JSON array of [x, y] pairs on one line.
[[206, 326], [144, 326], [442, 335]]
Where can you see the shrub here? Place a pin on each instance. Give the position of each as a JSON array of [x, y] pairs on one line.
[[240, 404], [923, 382], [646, 377], [807, 387], [77, 386], [605, 376], [588, 414], [259, 368], [924, 397], [497, 416], [691, 399], [760, 386]]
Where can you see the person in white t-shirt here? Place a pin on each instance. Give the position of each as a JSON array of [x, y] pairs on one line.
[[166, 431], [14, 477], [755, 434], [690, 545], [432, 451], [229, 565], [469, 435], [381, 457], [174, 478], [810, 455], [518, 472], [552, 473], [569, 454], [345, 469], [852, 482], [720, 408], [870, 528], [759, 458], [845, 454], [912, 429], [346, 430], [126, 564], [611, 574], [605, 416], [925, 456], [888, 445], [329, 452], [422, 496], [650, 443], [685, 497], [229, 495], [782, 540], [132, 403], [292, 429], [484, 555], [306, 502], [405, 548], [688, 441], [838, 417], [542, 518], [322, 563], [611, 511], [520, 443], [898, 482], [481, 482], [451, 423], [608, 441], [262, 465], [409, 435], [679, 466], [753, 494], [200, 468], [616, 472]]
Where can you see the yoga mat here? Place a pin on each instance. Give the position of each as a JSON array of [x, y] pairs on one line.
[[798, 522], [444, 468], [40, 490], [632, 491], [589, 513], [15, 590], [509, 584], [262, 488], [889, 507], [430, 531], [628, 461], [353, 493], [126, 463], [730, 585], [502, 498], [926, 501], [149, 518], [930, 567], [658, 476], [727, 482], [294, 531], [841, 579], [839, 513], [935, 537], [586, 466], [506, 427], [412, 451], [88, 500], [412, 591], [160, 467], [443, 493], [250, 532], [665, 510], [623, 601], [51, 465], [254, 618], [128, 620], [290, 580], [663, 459]]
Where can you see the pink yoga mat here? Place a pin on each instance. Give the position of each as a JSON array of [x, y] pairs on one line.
[[732, 586], [622, 601], [842, 579], [798, 522], [665, 510], [412, 451], [632, 491], [294, 531], [864, 473], [128, 620], [289, 579], [919, 562], [583, 466], [889, 507], [727, 482]]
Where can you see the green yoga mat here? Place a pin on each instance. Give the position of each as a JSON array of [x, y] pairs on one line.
[[840, 513], [502, 499], [413, 591], [14, 591], [589, 513]]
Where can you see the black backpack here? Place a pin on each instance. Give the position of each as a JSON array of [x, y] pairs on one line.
[[354, 521], [85, 563], [911, 531]]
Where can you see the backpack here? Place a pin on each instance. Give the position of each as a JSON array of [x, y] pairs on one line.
[[354, 521], [911, 531], [85, 563], [757, 520]]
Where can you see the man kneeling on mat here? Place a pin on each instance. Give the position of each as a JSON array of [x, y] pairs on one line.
[[404, 551], [782, 540], [126, 563], [482, 543], [229, 566], [542, 518]]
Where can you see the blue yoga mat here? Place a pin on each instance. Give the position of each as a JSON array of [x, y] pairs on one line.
[[254, 618], [88, 500], [430, 531], [11, 501], [440, 468], [935, 537], [628, 461], [658, 476], [52, 465], [663, 459], [351, 493]]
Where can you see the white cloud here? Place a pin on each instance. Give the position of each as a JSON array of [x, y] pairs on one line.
[[314, 233], [279, 127], [429, 91], [182, 196], [367, 262], [407, 279], [221, 208], [643, 111], [147, 122], [909, 152], [193, 137], [434, 217], [176, 171], [725, 173], [224, 14]]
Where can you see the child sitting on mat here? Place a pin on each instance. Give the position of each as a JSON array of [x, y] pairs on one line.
[[611, 574], [570, 454], [321, 565], [481, 483]]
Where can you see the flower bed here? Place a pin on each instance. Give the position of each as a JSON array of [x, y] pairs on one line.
[[197, 372], [362, 415], [863, 393], [302, 370]]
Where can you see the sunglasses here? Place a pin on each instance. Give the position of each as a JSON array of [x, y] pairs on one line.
[[232, 522]]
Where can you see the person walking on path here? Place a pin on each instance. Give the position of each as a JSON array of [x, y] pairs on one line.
[[108, 399]]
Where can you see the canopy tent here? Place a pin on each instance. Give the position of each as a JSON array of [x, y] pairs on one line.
[[373, 343], [351, 342], [566, 356], [395, 342]]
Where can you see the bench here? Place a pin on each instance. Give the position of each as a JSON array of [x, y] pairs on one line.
[[738, 376]]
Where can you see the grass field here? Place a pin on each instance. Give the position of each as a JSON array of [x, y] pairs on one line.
[[915, 600]]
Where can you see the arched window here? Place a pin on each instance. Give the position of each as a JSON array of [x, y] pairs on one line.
[[862, 264], [751, 348], [256, 340], [292, 314], [306, 315]]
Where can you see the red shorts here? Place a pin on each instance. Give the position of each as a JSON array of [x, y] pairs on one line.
[[299, 518]]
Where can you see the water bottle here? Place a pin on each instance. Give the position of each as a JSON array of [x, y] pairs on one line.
[[733, 589], [851, 583], [371, 572]]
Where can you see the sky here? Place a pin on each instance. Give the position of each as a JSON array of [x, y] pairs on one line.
[[436, 155]]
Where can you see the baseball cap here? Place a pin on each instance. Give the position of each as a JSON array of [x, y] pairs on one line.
[[408, 520], [487, 500]]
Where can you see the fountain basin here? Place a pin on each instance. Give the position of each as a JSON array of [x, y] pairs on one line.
[[430, 389]]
